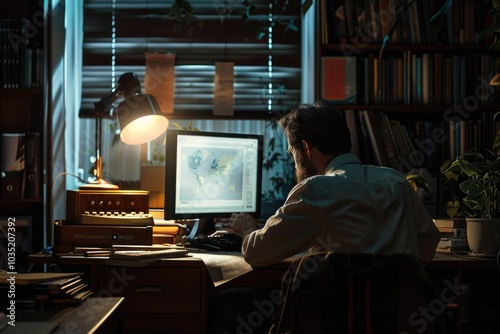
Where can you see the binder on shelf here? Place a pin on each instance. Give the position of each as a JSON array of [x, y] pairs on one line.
[[33, 179], [338, 80], [21, 165], [21, 64], [375, 137], [12, 164]]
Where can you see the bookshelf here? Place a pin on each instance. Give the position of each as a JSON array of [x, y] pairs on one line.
[[21, 112], [429, 84]]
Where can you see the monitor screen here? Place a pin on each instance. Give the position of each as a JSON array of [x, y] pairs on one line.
[[211, 174]]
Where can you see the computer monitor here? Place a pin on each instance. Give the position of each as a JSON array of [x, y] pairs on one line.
[[210, 175]]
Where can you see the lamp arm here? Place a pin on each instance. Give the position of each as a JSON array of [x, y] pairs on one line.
[[128, 85], [105, 103]]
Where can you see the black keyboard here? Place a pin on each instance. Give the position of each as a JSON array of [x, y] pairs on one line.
[[218, 242]]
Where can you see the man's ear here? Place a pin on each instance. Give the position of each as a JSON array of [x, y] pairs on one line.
[[307, 148]]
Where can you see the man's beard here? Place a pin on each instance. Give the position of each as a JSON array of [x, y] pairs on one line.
[[304, 167]]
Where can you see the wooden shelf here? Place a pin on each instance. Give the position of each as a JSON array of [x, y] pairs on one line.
[[409, 109], [21, 92], [396, 47], [18, 201], [22, 110]]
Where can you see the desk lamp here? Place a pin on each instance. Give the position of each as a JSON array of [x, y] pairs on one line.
[[139, 118]]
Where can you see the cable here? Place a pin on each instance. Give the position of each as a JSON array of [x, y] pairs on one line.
[[387, 37], [54, 182], [442, 11]]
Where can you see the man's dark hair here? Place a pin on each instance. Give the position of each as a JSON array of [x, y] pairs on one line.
[[322, 125]]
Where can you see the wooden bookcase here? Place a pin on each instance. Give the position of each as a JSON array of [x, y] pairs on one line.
[[22, 110], [429, 87]]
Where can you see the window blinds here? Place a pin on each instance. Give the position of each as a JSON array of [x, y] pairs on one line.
[[143, 27]]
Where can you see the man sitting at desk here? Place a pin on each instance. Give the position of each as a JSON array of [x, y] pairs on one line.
[[338, 203]]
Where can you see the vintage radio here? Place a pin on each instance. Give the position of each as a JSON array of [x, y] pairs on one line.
[[80, 202]]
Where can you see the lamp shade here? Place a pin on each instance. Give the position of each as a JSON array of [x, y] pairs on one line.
[[140, 119]]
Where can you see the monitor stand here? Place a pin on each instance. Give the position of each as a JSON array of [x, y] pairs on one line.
[[202, 225]]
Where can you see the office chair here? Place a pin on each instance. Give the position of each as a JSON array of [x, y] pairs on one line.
[[359, 293]]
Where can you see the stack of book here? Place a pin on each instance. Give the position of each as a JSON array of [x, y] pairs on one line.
[[453, 235], [143, 257], [36, 290]]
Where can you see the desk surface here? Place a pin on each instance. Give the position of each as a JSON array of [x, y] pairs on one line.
[[463, 260], [441, 260]]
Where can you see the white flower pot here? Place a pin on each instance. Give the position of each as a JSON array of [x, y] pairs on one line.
[[483, 235]]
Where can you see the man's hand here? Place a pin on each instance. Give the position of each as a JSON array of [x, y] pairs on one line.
[[241, 224]]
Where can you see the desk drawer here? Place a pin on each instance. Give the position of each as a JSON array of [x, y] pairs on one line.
[[133, 324], [154, 289]]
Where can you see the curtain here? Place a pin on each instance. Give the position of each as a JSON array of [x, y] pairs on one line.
[[63, 91], [308, 51]]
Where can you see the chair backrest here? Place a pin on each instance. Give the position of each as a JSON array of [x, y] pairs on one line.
[[359, 293]]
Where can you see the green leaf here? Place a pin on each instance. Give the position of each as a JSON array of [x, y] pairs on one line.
[[177, 126], [473, 188], [452, 208], [496, 144], [291, 26], [417, 181], [466, 167]]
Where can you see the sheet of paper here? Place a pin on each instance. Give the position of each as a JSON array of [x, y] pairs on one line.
[[224, 267], [224, 89]]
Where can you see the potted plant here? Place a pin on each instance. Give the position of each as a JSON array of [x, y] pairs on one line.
[[478, 175]]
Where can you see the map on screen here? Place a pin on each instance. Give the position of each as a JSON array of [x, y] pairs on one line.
[[216, 173], [212, 174]]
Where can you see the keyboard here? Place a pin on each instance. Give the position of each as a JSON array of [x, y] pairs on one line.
[[148, 254], [218, 242]]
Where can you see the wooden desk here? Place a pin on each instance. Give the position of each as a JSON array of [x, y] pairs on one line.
[[171, 295], [167, 296]]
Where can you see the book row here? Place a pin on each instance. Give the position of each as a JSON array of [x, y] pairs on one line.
[[20, 55], [407, 145], [409, 79], [34, 291], [20, 165], [406, 21]]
